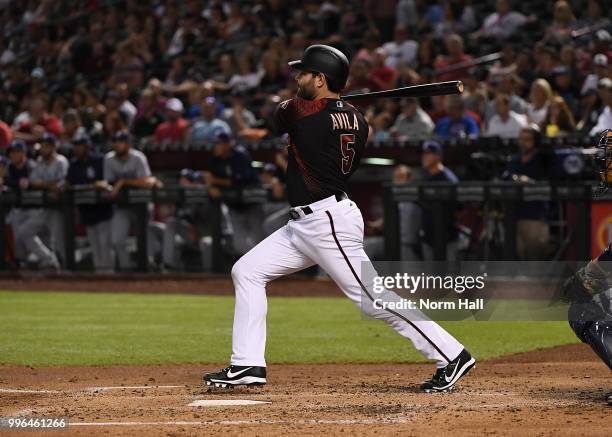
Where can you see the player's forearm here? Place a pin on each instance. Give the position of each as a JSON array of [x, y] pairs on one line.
[[221, 182], [41, 185], [146, 182]]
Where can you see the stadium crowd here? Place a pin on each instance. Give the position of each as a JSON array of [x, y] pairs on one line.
[[86, 83]]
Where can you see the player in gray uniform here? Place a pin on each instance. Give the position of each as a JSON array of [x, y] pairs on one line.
[[125, 167], [50, 173]]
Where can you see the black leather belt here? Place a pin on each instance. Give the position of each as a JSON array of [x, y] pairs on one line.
[[306, 210]]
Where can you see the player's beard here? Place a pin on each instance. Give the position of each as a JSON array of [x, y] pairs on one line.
[[307, 90]]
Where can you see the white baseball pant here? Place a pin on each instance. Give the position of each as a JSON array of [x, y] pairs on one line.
[[332, 237]]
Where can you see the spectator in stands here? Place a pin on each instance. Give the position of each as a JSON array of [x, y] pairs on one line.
[[454, 47], [174, 129], [563, 23], [156, 88], [501, 24], [125, 167], [600, 68], [4, 162], [72, 128], [540, 95], [6, 135], [406, 14], [565, 86], [595, 15], [531, 164], [382, 13], [604, 121], [400, 49], [86, 172], [50, 174], [382, 74], [114, 121], [439, 108], [457, 124], [237, 116], [591, 107], [272, 77], [188, 31], [413, 122], [127, 66], [436, 171], [147, 118], [426, 53], [227, 70], [125, 106], [458, 18], [505, 123], [360, 80], [371, 41], [34, 123], [381, 125], [559, 119], [246, 79], [206, 127], [506, 84]]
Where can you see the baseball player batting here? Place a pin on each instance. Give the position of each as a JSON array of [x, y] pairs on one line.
[[327, 138]]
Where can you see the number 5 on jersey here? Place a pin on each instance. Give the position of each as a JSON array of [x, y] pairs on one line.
[[348, 153]]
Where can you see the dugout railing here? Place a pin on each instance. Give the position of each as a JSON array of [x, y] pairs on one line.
[[139, 201], [504, 197]]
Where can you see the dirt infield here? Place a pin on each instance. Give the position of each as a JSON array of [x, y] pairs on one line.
[[551, 392]]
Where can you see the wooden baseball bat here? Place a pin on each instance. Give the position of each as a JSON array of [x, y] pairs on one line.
[[426, 90]]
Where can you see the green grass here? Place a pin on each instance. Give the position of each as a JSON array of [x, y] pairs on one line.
[[53, 328]]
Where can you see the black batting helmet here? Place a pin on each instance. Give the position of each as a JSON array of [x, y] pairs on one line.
[[327, 60]]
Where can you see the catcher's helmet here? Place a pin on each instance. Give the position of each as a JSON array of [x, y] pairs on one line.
[[604, 156], [327, 60]]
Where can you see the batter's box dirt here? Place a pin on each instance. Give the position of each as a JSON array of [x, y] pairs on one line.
[[520, 395]]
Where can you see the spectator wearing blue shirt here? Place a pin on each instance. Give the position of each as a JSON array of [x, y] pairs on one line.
[[208, 126], [457, 124], [86, 171]]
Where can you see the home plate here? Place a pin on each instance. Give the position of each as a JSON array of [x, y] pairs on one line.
[[224, 402]]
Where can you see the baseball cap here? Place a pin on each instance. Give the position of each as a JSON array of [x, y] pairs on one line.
[[222, 137], [270, 168], [605, 82], [432, 147], [174, 104], [17, 145], [82, 139], [187, 173], [600, 60], [38, 73], [602, 35], [121, 135], [49, 138], [561, 70]]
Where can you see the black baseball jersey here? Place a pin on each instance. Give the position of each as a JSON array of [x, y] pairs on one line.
[[327, 138]]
